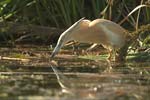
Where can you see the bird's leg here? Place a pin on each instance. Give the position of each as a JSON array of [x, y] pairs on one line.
[[110, 54], [115, 53], [76, 49]]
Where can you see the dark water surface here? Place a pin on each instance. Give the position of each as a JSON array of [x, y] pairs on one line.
[[79, 80]]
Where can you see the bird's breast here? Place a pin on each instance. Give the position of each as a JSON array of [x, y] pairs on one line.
[[91, 35], [115, 37]]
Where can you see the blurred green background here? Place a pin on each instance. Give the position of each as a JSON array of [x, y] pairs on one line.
[[63, 13]]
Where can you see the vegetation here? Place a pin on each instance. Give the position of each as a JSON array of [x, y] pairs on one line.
[[62, 13], [26, 71]]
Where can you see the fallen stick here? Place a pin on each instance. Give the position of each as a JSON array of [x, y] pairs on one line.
[[16, 59]]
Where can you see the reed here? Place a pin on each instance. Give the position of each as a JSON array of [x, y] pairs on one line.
[[63, 13]]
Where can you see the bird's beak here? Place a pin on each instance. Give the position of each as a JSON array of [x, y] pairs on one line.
[[64, 38], [55, 51], [53, 54]]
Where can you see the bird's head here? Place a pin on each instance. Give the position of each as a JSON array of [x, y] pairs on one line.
[[65, 37]]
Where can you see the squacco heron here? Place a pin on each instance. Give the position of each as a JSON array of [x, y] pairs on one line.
[[100, 31]]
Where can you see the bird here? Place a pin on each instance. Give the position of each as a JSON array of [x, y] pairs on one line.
[[100, 31]]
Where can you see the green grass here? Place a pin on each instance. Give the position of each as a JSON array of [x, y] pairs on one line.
[[95, 57], [142, 57]]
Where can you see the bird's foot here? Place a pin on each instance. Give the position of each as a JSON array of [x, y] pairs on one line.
[[109, 57]]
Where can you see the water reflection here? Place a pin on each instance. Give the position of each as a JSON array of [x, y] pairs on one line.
[[68, 87], [85, 80], [113, 84], [63, 81]]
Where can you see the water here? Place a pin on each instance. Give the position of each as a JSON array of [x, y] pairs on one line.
[[75, 79]]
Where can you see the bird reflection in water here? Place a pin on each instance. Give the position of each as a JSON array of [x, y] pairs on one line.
[[69, 86]]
